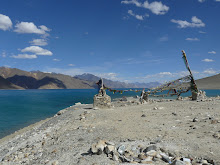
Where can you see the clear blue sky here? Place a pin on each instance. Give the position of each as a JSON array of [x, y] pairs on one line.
[[127, 40]]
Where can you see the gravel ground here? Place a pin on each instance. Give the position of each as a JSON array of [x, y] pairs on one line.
[[184, 128]]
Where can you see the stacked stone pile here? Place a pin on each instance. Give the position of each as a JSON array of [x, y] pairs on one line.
[[101, 100], [139, 154]]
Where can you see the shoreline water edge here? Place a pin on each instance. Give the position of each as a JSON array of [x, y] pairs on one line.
[[177, 129]]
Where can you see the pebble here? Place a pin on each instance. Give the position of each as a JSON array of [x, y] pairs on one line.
[[178, 162], [152, 153], [109, 149], [205, 162], [195, 119], [149, 148], [121, 149], [165, 158], [216, 135], [148, 160]]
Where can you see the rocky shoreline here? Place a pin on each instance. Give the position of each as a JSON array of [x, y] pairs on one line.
[[177, 131]]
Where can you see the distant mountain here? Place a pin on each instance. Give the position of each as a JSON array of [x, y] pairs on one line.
[[41, 80], [5, 84], [212, 82], [116, 84]]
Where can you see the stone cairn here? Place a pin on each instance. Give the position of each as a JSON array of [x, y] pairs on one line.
[[200, 95], [151, 154], [102, 100]]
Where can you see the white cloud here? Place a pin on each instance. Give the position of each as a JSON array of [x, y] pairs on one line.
[[164, 38], [111, 76], [24, 56], [139, 17], [217, 0], [135, 2], [195, 22], [210, 71], [71, 65], [37, 50], [155, 7], [207, 60], [212, 52], [30, 27], [56, 59], [43, 27], [5, 22], [39, 42], [201, 1], [3, 54], [192, 39], [202, 32], [165, 73]]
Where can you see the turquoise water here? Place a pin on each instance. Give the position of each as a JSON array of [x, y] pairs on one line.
[[20, 108]]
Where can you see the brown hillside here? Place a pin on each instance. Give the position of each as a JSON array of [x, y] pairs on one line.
[[212, 82], [5, 84]]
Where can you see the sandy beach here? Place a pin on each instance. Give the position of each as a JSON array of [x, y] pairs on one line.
[[186, 129]]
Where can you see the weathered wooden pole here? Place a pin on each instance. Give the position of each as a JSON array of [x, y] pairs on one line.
[[194, 88]]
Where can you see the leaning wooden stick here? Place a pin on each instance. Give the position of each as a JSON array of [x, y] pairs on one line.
[[193, 83]]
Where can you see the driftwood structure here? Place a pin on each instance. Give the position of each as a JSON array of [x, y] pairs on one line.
[[172, 88]]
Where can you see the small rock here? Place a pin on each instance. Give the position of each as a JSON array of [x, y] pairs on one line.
[[115, 158], [142, 156], [205, 162], [55, 163], [61, 112], [143, 115], [158, 156], [155, 108], [149, 148], [109, 149], [121, 149], [97, 148], [109, 143], [174, 114], [178, 162], [195, 119], [147, 160], [216, 135], [186, 160], [214, 121], [78, 103], [152, 153], [165, 158]]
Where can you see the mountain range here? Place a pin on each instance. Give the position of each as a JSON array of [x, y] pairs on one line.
[[13, 78]]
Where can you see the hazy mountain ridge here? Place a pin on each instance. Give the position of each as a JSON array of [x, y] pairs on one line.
[[116, 84]]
